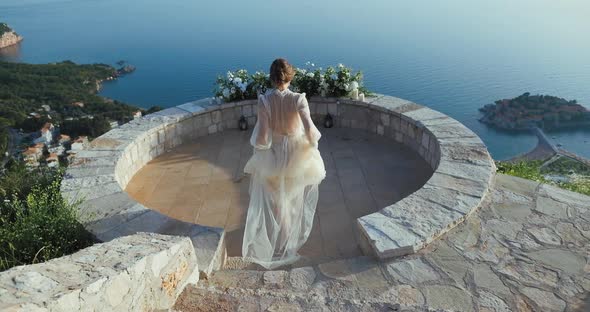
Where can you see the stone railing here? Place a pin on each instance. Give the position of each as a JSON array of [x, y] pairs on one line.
[[143, 272], [462, 169]]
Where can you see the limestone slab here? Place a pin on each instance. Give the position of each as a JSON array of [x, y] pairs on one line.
[[543, 300], [113, 278], [394, 104], [422, 217], [302, 278], [168, 115], [451, 130], [423, 114], [448, 298], [469, 187], [467, 171], [196, 106], [565, 260], [451, 199], [96, 192], [476, 155], [387, 237], [412, 271]]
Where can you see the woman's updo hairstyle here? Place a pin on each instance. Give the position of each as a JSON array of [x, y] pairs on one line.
[[281, 72]]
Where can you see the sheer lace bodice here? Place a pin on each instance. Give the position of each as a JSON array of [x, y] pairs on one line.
[[285, 171], [283, 113]]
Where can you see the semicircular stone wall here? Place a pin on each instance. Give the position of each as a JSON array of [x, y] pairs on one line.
[[463, 172]]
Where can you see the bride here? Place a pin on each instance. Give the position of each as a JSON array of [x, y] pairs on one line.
[[286, 169]]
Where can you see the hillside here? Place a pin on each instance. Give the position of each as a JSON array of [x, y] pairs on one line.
[[64, 93]]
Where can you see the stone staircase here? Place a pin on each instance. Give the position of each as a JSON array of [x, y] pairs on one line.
[[243, 286]]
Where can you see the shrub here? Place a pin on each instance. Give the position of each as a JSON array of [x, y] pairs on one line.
[[36, 222], [532, 170], [524, 169]]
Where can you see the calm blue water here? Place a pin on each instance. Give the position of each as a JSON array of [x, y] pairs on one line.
[[453, 56]]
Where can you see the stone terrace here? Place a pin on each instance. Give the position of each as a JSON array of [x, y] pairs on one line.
[[202, 182], [526, 249], [463, 172], [459, 242]]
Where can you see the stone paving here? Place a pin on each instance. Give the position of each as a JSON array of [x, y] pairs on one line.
[[526, 249], [201, 182]]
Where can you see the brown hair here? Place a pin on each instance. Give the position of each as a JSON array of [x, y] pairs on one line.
[[281, 72]]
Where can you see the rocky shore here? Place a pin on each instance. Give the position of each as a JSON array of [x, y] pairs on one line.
[[8, 37]]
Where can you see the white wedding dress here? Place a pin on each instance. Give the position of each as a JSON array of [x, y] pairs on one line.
[[285, 170]]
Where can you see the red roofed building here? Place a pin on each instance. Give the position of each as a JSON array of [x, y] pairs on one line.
[[46, 134]]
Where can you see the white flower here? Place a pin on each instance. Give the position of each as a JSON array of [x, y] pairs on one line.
[[225, 93], [334, 77], [354, 85], [347, 87], [230, 75], [310, 75], [340, 65], [237, 81]]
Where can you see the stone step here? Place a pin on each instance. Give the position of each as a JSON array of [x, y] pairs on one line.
[[294, 280], [239, 299], [354, 284]]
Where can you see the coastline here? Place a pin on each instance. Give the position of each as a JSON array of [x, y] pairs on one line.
[[9, 39], [545, 150]]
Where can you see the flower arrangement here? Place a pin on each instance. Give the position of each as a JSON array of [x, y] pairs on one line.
[[339, 81]]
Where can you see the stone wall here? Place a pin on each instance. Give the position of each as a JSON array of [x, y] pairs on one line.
[[383, 115], [142, 272], [463, 171]]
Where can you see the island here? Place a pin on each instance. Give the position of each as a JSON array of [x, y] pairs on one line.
[[529, 111], [8, 36]]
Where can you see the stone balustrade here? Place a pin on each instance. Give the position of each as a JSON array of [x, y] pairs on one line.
[[143, 272], [462, 168]]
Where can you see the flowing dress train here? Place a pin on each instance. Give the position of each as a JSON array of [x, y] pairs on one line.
[[285, 170]]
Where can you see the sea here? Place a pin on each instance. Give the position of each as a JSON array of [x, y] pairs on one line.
[[453, 56]]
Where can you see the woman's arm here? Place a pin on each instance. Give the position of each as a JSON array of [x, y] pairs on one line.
[[311, 131], [261, 136]]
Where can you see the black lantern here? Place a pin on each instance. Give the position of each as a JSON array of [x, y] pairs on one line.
[[243, 123], [328, 121]]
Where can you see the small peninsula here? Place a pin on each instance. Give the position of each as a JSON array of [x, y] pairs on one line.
[[8, 36], [528, 111]]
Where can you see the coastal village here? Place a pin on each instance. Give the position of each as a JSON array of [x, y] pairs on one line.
[[528, 111], [49, 146]]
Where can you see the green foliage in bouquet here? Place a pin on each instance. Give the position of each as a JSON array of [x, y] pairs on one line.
[[337, 81]]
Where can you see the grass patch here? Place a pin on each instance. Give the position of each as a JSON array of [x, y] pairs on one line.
[[532, 170]]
